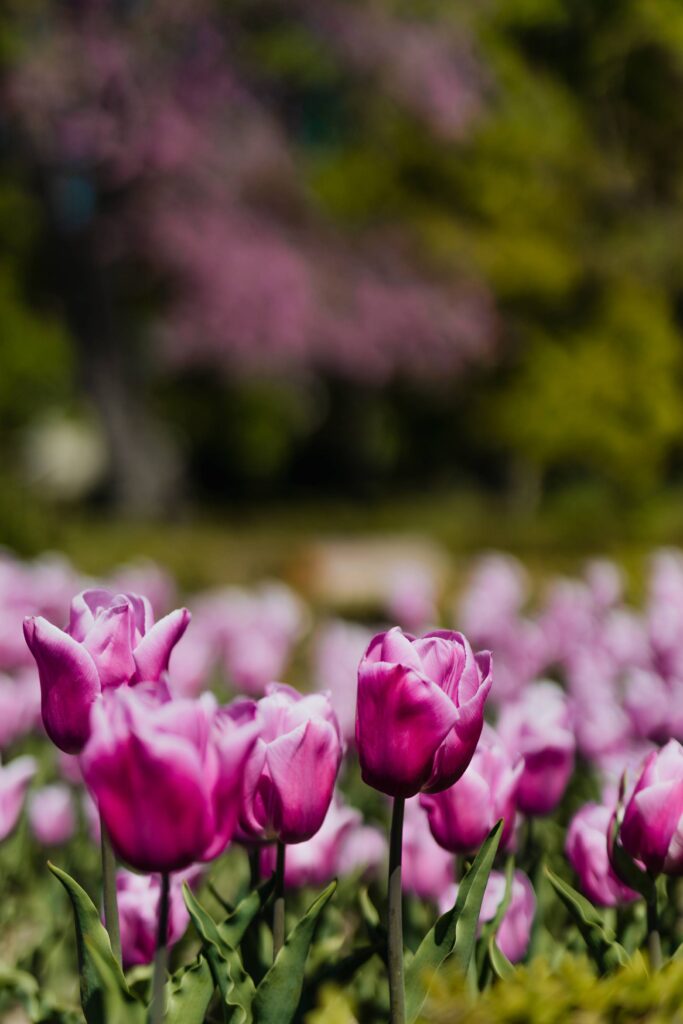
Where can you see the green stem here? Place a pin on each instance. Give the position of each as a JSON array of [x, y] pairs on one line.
[[161, 955], [397, 997], [279, 904], [654, 943], [111, 908], [254, 867]]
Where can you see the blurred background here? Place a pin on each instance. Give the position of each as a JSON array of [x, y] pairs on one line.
[[274, 271]]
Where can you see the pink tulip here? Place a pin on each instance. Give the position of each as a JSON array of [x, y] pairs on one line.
[[427, 869], [138, 901], [51, 814], [514, 931], [14, 780], [167, 777], [461, 817], [111, 640], [420, 710], [19, 706], [538, 726], [586, 848], [316, 861], [293, 767], [652, 830]]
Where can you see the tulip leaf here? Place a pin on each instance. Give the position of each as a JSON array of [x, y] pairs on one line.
[[600, 940], [490, 930], [189, 992], [94, 951], [375, 929], [455, 931], [232, 929], [502, 967], [118, 1005], [278, 995]]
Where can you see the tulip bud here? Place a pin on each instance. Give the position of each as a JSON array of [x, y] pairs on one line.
[[651, 830], [51, 814], [420, 710], [538, 727], [293, 767], [461, 817], [167, 778], [586, 849], [111, 640], [138, 901]]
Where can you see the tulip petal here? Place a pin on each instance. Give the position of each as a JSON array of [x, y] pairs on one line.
[[154, 650], [650, 822], [402, 719], [234, 744], [108, 643], [69, 683], [84, 608]]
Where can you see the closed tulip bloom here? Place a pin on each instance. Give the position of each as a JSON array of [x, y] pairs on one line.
[[427, 870], [138, 901], [586, 849], [538, 726], [652, 827], [293, 767], [514, 931], [461, 817], [167, 777], [420, 710], [52, 815], [14, 780], [111, 640]]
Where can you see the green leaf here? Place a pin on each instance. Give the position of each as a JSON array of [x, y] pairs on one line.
[[96, 962], [455, 931], [502, 967], [188, 993], [232, 929], [600, 940], [375, 929], [278, 995], [119, 1006], [490, 929]]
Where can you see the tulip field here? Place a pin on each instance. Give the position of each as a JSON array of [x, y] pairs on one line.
[[236, 806]]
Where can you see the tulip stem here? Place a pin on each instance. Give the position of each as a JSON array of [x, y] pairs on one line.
[[654, 943], [161, 955], [254, 867], [111, 908], [279, 904], [397, 997]]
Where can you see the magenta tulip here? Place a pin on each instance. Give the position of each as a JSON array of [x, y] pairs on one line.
[[316, 861], [138, 899], [538, 726], [461, 817], [293, 767], [52, 815], [586, 849], [167, 777], [427, 869], [14, 781], [420, 710], [652, 827], [111, 640]]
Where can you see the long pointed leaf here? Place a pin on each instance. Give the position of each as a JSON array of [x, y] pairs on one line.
[[455, 931], [502, 967], [600, 940], [278, 995], [118, 1005], [232, 929], [189, 992]]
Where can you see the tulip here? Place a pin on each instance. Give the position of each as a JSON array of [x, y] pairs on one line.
[[14, 780], [51, 814], [586, 848], [111, 640], [538, 726], [167, 777], [337, 650], [461, 817], [428, 870], [514, 931], [420, 710], [651, 830], [292, 769], [19, 706], [364, 848], [138, 897]]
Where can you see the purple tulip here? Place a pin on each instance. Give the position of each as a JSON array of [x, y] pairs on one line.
[[293, 767], [652, 830], [420, 710], [461, 817], [167, 777], [586, 848], [538, 726], [111, 640], [427, 869], [138, 900], [514, 931], [52, 815], [14, 780]]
